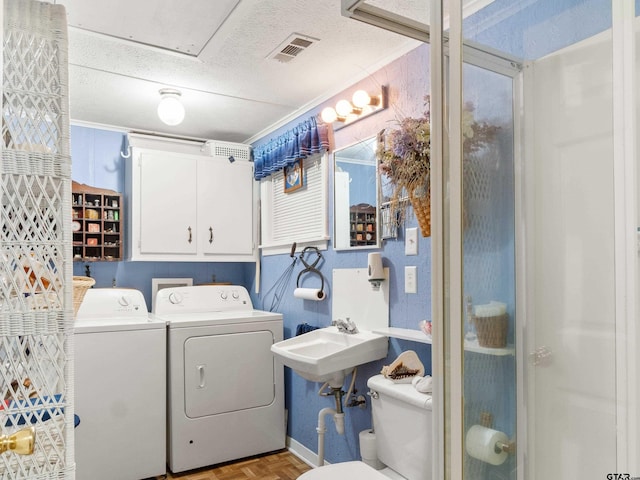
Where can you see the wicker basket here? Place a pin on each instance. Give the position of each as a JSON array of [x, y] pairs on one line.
[[80, 287], [492, 331], [421, 204]]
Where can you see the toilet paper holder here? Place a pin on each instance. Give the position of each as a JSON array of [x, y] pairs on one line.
[[486, 420], [311, 267], [488, 445], [509, 447]]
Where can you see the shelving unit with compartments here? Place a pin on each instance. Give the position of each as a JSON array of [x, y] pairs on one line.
[[362, 218], [97, 225]]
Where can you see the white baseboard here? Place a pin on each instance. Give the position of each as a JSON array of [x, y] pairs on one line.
[[303, 453]]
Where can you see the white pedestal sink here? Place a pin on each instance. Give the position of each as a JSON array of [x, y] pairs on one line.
[[327, 355]]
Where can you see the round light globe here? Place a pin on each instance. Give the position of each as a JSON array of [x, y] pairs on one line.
[[329, 115], [361, 98], [170, 109], [344, 108]]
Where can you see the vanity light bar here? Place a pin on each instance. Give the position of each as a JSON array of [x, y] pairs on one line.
[[361, 105]]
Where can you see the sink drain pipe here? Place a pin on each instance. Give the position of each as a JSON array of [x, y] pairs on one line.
[[338, 415], [338, 419]]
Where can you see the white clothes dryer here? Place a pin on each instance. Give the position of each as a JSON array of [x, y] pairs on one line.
[[225, 389], [120, 387]]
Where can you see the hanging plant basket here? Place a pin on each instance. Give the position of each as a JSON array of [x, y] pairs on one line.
[[420, 199]]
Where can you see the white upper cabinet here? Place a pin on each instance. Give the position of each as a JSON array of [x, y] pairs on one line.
[[167, 200], [187, 206], [225, 207]]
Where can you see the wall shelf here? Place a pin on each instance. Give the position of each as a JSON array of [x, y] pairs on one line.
[[472, 346], [363, 225], [97, 224], [404, 334], [419, 336]]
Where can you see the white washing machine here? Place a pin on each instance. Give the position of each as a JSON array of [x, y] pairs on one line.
[[226, 392], [120, 387]]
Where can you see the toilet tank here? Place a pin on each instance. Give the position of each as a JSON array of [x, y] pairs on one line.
[[402, 422]]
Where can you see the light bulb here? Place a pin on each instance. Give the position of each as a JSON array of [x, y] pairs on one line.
[[344, 108], [329, 115], [170, 109], [361, 98]]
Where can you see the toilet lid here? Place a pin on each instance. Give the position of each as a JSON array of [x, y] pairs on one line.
[[350, 470]]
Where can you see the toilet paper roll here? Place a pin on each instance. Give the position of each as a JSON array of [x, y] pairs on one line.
[[309, 294], [369, 450], [481, 444]]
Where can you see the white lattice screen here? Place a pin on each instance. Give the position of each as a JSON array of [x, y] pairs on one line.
[[36, 311]]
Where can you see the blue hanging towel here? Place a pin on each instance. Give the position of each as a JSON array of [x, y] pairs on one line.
[[304, 328]]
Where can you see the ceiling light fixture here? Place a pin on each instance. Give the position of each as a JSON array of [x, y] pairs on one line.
[[361, 105], [170, 108]]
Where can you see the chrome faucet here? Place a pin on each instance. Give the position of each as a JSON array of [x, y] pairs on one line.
[[345, 326]]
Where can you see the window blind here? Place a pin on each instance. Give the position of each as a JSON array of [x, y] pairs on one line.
[[299, 216]]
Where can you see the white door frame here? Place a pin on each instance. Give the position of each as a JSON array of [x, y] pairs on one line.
[[626, 249]]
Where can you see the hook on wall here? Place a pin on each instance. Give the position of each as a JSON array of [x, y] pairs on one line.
[[128, 154], [125, 149]]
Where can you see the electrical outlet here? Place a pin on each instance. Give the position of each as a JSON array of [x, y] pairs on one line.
[[411, 241], [410, 279]]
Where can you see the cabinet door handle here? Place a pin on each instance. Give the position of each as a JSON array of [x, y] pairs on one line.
[[190, 235], [210, 235]]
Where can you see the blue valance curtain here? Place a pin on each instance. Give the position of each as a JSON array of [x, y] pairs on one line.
[[307, 138]]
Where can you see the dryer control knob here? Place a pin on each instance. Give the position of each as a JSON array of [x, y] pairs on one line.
[[175, 298], [124, 301], [235, 294], [223, 295]]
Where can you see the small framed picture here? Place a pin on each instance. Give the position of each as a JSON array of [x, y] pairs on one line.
[[293, 176]]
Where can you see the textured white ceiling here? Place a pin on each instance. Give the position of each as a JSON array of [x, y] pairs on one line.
[[216, 52], [165, 23]]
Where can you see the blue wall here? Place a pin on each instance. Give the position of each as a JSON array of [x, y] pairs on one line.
[[408, 82], [531, 30]]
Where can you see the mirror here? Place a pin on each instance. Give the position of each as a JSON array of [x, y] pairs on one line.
[[355, 200]]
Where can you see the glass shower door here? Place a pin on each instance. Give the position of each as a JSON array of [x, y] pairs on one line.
[[488, 273], [535, 294]]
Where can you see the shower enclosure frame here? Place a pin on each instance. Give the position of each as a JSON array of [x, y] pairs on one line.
[[446, 188], [447, 243]]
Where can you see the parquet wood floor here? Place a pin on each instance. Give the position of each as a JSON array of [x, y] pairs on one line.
[[275, 466]]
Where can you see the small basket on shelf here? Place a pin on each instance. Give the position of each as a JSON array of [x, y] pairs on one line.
[[492, 324], [80, 287]]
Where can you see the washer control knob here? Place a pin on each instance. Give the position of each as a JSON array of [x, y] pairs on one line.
[[124, 301], [175, 298], [223, 295], [235, 294]]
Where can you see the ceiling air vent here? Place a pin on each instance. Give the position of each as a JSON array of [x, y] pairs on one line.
[[292, 47]]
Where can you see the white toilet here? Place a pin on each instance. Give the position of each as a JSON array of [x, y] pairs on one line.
[[402, 420]]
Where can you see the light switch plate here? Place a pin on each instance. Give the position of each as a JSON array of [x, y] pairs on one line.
[[410, 279], [411, 241]]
